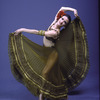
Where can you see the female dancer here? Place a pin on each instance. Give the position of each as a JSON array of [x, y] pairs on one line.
[[50, 36], [50, 71]]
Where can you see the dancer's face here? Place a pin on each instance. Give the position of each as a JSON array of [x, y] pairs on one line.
[[63, 21]]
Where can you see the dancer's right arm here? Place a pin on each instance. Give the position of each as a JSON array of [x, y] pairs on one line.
[[50, 33], [32, 31]]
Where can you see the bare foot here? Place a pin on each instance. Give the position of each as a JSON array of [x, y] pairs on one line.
[[41, 97]]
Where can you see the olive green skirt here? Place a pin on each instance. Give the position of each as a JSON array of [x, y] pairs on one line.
[[28, 60]]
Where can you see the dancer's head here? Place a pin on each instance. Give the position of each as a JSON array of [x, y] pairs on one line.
[[63, 18]]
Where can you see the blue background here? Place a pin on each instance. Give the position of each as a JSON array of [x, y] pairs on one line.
[[38, 14]]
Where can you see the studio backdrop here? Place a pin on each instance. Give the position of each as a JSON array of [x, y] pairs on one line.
[[39, 14]]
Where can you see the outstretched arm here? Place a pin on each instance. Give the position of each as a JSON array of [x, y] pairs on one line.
[[32, 31]]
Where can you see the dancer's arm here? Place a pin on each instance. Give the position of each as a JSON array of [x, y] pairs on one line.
[[64, 9], [32, 31], [68, 9], [50, 33]]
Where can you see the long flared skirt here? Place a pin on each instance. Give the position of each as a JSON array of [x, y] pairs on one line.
[[29, 59]]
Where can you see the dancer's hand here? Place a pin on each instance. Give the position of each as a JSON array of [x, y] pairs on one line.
[[18, 31], [75, 13]]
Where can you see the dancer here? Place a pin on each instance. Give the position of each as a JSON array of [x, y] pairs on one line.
[[47, 77]]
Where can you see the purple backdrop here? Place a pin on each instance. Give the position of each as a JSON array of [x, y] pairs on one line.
[[38, 14]]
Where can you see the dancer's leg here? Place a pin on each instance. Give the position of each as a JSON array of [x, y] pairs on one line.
[[52, 60]]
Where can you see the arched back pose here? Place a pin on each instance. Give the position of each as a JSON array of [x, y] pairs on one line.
[[61, 19], [42, 69]]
